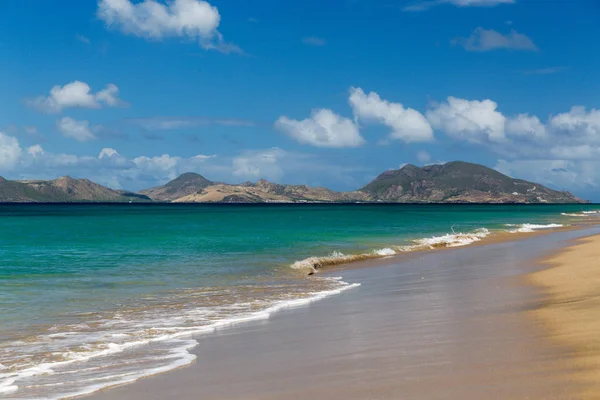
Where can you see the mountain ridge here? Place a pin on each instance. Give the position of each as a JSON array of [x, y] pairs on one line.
[[453, 182], [63, 190]]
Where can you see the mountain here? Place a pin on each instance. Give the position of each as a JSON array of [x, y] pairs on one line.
[[62, 190], [459, 182], [186, 184], [453, 182], [264, 192]]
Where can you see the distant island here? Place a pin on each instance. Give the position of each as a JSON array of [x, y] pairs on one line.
[[453, 182]]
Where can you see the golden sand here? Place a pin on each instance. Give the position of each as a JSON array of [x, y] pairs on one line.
[[571, 311]]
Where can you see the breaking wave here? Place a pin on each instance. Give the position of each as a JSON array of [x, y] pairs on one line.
[[109, 350], [312, 264], [528, 228]]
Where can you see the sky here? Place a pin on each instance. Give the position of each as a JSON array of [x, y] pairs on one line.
[[132, 93]]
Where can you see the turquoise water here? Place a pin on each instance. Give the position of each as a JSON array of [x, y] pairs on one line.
[[93, 295]]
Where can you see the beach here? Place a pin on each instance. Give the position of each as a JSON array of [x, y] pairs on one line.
[[571, 310], [331, 295], [455, 324]]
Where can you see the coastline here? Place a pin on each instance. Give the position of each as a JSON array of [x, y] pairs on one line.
[[184, 340], [570, 311], [341, 262], [376, 341]]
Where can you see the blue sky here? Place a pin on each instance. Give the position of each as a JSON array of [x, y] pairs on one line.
[[133, 93]]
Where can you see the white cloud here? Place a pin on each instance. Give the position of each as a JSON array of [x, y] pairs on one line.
[[109, 96], [107, 152], [407, 124], [163, 166], [35, 150], [191, 19], [578, 124], [577, 152], [76, 94], [560, 174], [78, 130], [427, 4], [259, 164], [486, 40], [324, 128], [471, 120], [203, 157], [108, 167], [423, 157], [571, 135], [526, 125], [314, 41], [10, 152]]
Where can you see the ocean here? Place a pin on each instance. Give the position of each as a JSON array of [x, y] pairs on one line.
[[96, 295]]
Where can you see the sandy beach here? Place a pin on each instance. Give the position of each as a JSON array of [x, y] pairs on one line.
[[571, 309], [445, 325]]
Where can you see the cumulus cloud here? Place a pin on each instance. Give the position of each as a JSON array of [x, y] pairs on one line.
[[578, 124], [427, 4], [571, 135], [471, 120], [560, 174], [192, 19], [78, 130], [323, 128], [110, 168], [526, 125], [76, 94], [487, 40], [406, 124], [257, 164], [107, 153], [35, 150], [10, 152], [479, 121]]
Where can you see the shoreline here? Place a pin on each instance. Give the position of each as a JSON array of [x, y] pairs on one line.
[[369, 259], [246, 343], [495, 237], [570, 311]]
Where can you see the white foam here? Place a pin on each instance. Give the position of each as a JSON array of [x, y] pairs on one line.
[[528, 228], [312, 263], [449, 240], [384, 252], [177, 356], [8, 388]]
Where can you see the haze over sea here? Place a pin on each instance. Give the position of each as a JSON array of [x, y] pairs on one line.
[[96, 295]]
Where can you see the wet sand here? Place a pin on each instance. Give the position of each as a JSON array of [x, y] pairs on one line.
[[444, 325], [571, 311]]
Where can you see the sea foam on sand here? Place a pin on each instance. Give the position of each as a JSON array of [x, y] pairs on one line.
[[528, 228]]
